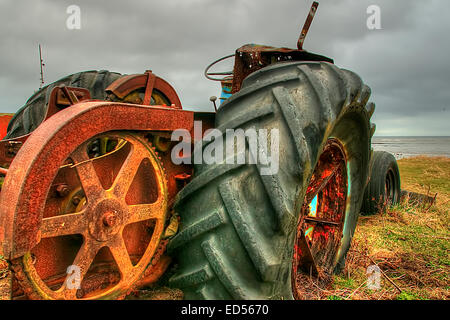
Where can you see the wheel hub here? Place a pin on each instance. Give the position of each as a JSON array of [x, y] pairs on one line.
[[106, 219]]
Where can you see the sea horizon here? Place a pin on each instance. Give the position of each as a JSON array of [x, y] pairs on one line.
[[412, 146]]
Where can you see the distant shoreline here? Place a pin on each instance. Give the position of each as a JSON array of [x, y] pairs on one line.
[[413, 146], [381, 137]]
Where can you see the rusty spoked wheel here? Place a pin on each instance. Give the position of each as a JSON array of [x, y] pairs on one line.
[[321, 221], [102, 228]]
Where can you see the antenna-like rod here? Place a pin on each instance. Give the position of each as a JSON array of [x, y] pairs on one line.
[[307, 24], [41, 62]]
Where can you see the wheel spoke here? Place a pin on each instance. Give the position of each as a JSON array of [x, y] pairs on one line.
[[121, 256], [307, 262], [67, 224], [128, 171], [321, 221], [86, 173], [83, 261], [321, 179], [141, 212]]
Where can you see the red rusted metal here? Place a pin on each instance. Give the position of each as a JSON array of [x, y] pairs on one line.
[[28, 208], [4, 121], [307, 25], [9, 149], [149, 82], [151, 79], [38, 161], [251, 57], [59, 99], [122, 204], [321, 220], [63, 97]]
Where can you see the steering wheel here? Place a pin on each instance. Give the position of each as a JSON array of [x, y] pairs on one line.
[[209, 75]]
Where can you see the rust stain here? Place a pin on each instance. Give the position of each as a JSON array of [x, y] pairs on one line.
[[60, 191], [4, 121], [319, 229]]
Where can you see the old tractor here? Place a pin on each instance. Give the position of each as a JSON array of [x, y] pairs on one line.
[[95, 204]]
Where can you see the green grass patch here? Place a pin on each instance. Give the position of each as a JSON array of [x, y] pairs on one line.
[[409, 243]]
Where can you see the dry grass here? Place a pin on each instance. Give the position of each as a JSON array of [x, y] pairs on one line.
[[409, 243]]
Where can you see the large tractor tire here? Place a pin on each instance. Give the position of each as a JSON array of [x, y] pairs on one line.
[[383, 188], [31, 115], [244, 235]]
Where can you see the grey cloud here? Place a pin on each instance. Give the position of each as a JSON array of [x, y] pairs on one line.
[[405, 63]]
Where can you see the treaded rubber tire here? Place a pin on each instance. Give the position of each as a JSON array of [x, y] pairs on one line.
[[31, 115], [237, 226], [375, 195]]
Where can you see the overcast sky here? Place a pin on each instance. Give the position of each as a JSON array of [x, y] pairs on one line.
[[406, 63]]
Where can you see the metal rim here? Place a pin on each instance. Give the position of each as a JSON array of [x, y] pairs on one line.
[[102, 220], [390, 187], [322, 218]]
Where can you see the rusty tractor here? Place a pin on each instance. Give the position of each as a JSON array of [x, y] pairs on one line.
[[95, 204]]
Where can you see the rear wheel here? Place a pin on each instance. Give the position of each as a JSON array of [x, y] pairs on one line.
[[383, 188], [31, 115], [321, 220], [248, 235]]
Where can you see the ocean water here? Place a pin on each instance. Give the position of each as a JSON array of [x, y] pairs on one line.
[[405, 147]]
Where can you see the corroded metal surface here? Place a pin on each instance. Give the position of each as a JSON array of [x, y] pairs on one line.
[[61, 214], [39, 214], [307, 25], [252, 57], [62, 97], [321, 221], [132, 196], [28, 182], [150, 83], [4, 120]]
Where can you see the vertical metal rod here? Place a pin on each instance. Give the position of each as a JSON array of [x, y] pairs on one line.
[[41, 63], [307, 24], [213, 100]]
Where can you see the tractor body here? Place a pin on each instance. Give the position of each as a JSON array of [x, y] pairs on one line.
[[91, 189]]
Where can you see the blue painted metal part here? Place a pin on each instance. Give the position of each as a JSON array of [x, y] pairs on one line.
[[226, 91]]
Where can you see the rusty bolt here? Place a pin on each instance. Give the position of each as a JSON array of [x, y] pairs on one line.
[[63, 190], [80, 293], [109, 219], [76, 200]]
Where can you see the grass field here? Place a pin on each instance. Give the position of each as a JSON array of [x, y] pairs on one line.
[[410, 244]]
